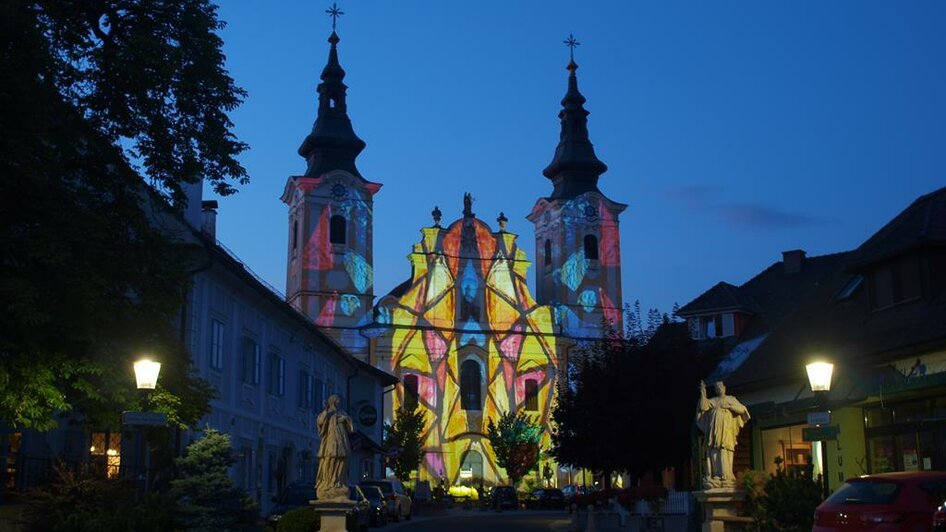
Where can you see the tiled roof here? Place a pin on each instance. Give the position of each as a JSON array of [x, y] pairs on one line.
[[922, 223], [723, 296]]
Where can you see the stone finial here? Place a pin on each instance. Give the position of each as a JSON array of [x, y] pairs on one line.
[[468, 205], [502, 222]]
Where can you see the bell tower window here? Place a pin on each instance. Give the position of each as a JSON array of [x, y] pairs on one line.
[[548, 252], [591, 247], [337, 229]]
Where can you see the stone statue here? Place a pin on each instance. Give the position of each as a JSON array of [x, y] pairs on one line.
[[720, 419], [334, 426], [468, 205]]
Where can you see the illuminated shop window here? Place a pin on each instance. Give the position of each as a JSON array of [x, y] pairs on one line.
[[532, 395], [410, 392], [337, 229], [591, 247], [470, 386]]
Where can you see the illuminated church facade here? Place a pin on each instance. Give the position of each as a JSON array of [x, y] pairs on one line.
[[463, 334]]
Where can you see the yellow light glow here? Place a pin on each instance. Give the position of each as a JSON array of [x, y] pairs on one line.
[[92, 449], [819, 376], [146, 374]]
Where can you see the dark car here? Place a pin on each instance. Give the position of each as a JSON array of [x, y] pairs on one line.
[[939, 519], [884, 502], [505, 497], [298, 495], [399, 502], [572, 492], [378, 506], [549, 498]]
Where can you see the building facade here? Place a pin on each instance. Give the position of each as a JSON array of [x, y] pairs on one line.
[[878, 313], [463, 333]]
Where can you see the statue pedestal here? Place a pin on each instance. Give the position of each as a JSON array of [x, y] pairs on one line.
[[721, 509], [332, 514]]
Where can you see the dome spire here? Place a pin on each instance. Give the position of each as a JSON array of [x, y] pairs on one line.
[[332, 144], [575, 168]]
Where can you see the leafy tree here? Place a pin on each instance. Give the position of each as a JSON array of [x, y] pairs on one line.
[[205, 495], [627, 404], [403, 441], [89, 278], [515, 440]]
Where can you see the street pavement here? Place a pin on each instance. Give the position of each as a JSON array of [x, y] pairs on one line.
[[477, 521]]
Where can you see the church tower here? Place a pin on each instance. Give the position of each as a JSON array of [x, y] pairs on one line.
[[578, 248], [330, 274]]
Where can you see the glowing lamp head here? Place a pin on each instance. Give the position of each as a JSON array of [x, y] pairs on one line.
[[819, 376], [146, 374]]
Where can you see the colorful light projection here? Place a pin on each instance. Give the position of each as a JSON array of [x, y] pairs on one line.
[[468, 300], [585, 285]]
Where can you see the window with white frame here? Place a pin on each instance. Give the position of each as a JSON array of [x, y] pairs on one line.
[[216, 344]]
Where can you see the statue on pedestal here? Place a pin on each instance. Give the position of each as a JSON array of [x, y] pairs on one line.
[[720, 419], [334, 426]]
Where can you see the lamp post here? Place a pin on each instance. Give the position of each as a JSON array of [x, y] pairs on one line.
[[146, 379], [819, 378]]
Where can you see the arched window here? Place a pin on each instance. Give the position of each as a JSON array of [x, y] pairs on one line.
[[337, 229], [295, 235], [548, 252], [410, 392], [591, 247], [470, 386], [472, 465], [532, 395]]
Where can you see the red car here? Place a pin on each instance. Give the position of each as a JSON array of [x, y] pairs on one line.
[[886, 502]]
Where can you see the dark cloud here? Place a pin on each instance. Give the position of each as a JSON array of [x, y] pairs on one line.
[[703, 199]]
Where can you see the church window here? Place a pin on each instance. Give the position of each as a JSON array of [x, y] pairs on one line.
[[470, 386], [410, 392], [532, 395], [295, 235], [548, 252], [337, 229], [591, 247]]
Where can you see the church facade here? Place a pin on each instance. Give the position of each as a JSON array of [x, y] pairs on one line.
[[463, 334]]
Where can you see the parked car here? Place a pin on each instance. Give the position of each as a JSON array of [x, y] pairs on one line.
[[571, 492], [399, 502], [298, 494], [887, 501], [939, 519], [505, 497], [549, 498], [378, 506]]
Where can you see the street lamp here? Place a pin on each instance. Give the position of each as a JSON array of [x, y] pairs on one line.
[[146, 379], [819, 378], [146, 373]]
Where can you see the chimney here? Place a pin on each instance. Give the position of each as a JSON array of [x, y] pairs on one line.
[[194, 194], [793, 260], [209, 226]]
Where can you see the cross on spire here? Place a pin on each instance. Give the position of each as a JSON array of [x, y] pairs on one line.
[[334, 12], [571, 43]]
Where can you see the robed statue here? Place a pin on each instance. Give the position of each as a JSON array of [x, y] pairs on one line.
[[720, 419], [334, 426]]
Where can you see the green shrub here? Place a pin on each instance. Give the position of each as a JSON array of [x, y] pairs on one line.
[[783, 502], [85, 500], [307, 520]]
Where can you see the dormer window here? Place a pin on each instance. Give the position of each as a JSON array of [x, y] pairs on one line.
[[337, 226], [591, 247], [714, 326]]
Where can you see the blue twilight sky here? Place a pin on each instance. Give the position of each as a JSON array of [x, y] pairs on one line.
[[733, 130]]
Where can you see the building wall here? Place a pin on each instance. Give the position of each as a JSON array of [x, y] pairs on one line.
[[467, 303], [271, 424]]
